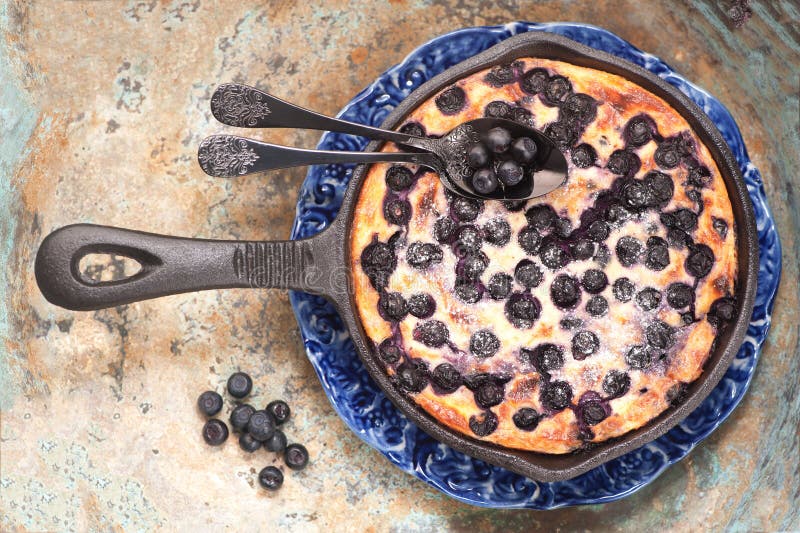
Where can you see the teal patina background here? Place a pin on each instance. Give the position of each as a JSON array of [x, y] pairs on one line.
[[102, 105]]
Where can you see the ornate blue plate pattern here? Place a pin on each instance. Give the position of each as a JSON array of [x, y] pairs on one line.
[[364, 407]]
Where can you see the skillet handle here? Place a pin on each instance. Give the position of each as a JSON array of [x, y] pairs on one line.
[[172, 265]]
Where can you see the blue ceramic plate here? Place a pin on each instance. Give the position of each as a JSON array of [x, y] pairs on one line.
[[365, 408]]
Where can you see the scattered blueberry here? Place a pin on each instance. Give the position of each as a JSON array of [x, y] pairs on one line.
[[629, 250], [465, 209], [667, 155], [682, 219], [399, 178], [534, 81], [583, 156], [510, 173], [520, 115], [270, 478], [582, 249], [617, 213], [209, 403], [452, 100], [562, 133], [279, 410], [413, 128], [397, 211], [528, 274], [468, 292], [498, 140], [261, 425], [529, 239], [478, 156], [594, 281], [699, 177], [638, 357], [678, 239], [485, 181], [523, 150], [389, 351], [592, 413], [526, 419], [446, 378], [513, 206], [648, 299], [639, 130], [623, 163], [497, 231], [659, 186], [522, 309], [392, 306], [660, 335], [215, 432], [488, 395], [468, 240], [570, 323], [542, 217], [616, 383], [497, 109], [412, 376], [584, 344], [556, 90], [722, 310], [422, 255], [623, 289], [277, 443], [679, 295], [598, 231], [555, 395], [635, 194], [676, 393], [239, 385], [240, 416], [597, 305], [484, 344], [545, 358], [296, 456], [444, 229], [483, 424], [699, 261], [378, 261], [657, 257], [579, 107], [553, 255], [248, 443], [499, 285], [565, 291], [421, 305], [432, 333], [502, 75], [472, 266]]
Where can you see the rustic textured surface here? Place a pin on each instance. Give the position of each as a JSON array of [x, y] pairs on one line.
[[102, 105]]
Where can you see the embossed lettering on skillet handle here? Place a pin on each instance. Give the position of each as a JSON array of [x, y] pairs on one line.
[[172, 265]]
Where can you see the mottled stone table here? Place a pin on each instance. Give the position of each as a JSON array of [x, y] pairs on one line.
[[102, 106]]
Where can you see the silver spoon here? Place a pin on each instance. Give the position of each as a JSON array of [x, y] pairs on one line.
[[243, 106]]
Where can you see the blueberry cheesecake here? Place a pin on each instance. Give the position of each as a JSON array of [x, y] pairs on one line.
[[551, 324]]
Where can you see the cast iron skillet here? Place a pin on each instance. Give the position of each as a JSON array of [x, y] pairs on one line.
[[318, 265]]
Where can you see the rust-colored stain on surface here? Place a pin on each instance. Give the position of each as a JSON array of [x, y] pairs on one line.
[[102, 106]]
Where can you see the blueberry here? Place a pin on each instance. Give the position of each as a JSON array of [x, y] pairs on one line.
[[469, 293], [528, 274], [452, 100], [597, 305], [466, 209], [679, 295], [277, 443], [534, 81], [529, 239], [699, 261], [389, 351], [472, 266], [397, 211], [617, 213], [446, 378], [635, 194], [483, 344], [239, 385], [657, 257], [240, 416], [421, 305], [565, 291], [523, 150], [648, 299], [378, 261], [583, 156], [510, 173], [592, 413], [638, 357], [526, 419], [413, 128], [569, 323], [498, 140], [582, 249], [676, 393], [392, 306], [248, 443], [483, 424], [478, 156], [279, 410], [555, 395], [497, 109], [514, 205], [422, 255], [484, 181], [553, 255], [488, 395], [682, 219], [296, 456], [542, 217], [616, 383], [399, 178], [623, 163], [209, 403], [270, 478], [659, 186], [584, 344], [412, 376], [594, 281], [579, 107], [520, 115], [546, 358], [501, 75], [639, 130], [623, 289], [497, 231], [722, 310], [678, 239], [522, 309], [629, 249], [444, 229], [261, 426], [603, 254], [667, 155], [475, 381], [660, 335], [215, 432], [556, 90], [468, 240], [499, 285], [562, 133], [433, 333], [698, 177]]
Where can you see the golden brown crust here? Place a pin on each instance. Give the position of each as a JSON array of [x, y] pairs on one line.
[[623, 326]]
